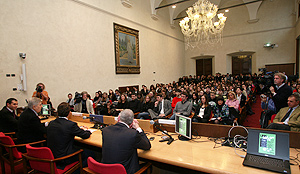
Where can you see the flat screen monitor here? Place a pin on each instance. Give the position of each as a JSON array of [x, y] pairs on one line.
[[46, 110], [183, 126]]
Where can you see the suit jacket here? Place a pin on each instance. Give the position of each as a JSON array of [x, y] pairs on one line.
[[243, 100], [294, 121], [167, 107], [282, 94], [89, 107], [7, 121], [120, 144], [30, 128], [60, 137]]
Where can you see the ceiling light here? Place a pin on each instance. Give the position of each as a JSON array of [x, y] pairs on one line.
[[203, 25], [174, 6], [227, 10]]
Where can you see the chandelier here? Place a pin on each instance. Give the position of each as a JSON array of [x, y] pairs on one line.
[[202, 26]]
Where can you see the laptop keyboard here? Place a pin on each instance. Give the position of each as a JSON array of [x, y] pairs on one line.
[[266, 161]]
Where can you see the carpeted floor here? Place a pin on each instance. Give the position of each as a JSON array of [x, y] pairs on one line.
[[253, 120]]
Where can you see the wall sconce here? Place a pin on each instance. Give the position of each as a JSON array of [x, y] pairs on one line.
[[22, 55], [269, 45]]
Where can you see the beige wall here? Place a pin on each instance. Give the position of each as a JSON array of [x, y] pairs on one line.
[[276, 25], [69, 46]]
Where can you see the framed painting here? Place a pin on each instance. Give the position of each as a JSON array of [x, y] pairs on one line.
[[126, 50]]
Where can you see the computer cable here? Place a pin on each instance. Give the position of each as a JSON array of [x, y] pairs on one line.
[[239, 141]]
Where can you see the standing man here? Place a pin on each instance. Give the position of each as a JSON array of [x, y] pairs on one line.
[[30, 128], [63, 144], [8, 118], [85, 105], [161, 108], [288, 118], [121, 141], [41, 93], [184, 107], [281, 92]]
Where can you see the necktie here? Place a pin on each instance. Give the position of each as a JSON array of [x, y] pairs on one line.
[[286, 115]]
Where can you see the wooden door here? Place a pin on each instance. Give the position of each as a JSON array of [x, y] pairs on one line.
[[241, 65], [203, 66], [287, 68]]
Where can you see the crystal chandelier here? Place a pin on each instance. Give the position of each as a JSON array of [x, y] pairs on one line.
[[202, 26]]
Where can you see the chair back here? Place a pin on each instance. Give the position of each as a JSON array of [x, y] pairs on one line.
[[41, 153], [8, 141], [105, 168]]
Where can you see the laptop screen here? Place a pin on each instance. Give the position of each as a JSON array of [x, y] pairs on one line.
[[46, 110], [268, 143]]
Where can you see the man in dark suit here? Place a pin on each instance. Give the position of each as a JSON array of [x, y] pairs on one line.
[[61, 133], [121, 141], [8, 118], [288, 118], [30, 128], [161, 108], [281, 92]]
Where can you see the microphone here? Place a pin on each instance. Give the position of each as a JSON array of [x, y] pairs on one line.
[[85, 117], [156, 125]]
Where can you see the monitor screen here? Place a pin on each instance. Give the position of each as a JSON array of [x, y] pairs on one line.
[[46, 110], [183, 126]]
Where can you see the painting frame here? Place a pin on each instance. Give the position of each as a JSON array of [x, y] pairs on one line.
[[126, 41]]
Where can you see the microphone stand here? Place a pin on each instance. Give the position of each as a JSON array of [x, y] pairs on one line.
[[170, 137]]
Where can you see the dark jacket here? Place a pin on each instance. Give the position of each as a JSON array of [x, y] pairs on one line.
[[120, 144], [146, 106], [282, 94], [206, 116], [8, 122], [60, 137], [134, 105], [30, 128]]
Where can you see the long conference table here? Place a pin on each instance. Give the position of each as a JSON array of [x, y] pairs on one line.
[[197, 154]]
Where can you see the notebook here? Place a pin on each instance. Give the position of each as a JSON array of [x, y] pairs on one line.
[[268, 150]]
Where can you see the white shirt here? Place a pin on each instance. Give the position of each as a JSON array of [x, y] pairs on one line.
[[138, 129], [162, 107]]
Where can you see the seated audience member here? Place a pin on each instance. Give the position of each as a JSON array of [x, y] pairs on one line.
[[240, 97], [147, 104], [221, 112], [121, 141], [61, 133], [161, 109], [232, 102], [288, 118], [106, 109], [112, 97], [144, 90], [184, 107], [122, 103], [118, 95], [134, 104], [152, 97], [195, 100], [30, 128], [176, 98], [203, 111], [135, 91], [8, 118], [212, 99], [70, 100], [104, 99], [41, 93], [97, 98], [85, 105]]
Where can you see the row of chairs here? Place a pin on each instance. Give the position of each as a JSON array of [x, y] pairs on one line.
[[41, 159]]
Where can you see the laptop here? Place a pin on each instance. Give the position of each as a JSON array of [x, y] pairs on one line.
[[268, 150]]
